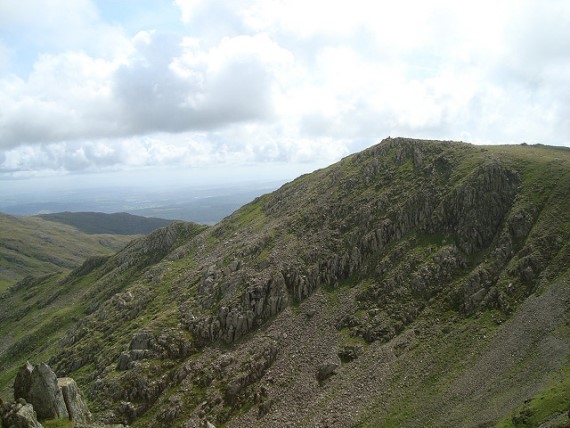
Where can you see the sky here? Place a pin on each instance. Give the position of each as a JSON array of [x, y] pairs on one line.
[[90, 88]]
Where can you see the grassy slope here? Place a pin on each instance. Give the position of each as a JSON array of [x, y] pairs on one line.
[[35, 313], [34, 317], [479, 371], [476, 371], [33, 246], [460, 370]]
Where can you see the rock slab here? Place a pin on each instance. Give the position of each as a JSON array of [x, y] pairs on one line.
[[51, 398], [76, 407], [19, 414], [38, 386]]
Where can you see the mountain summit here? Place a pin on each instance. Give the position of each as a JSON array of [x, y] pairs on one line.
[[417, 283]]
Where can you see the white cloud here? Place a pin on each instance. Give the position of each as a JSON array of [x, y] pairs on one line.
[[65, 96], [285, 80], [176, 86], [188, 8], [166, 84], [240, 145]]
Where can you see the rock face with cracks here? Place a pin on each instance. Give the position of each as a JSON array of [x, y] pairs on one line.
[[38, 386], [51, 398], [19, 414]]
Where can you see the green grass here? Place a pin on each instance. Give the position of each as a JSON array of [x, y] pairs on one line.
[[40, 311], [4, 284], [553, 399], [303, 224], [443, 356], [251, 215], [57, 423], [33, 246]]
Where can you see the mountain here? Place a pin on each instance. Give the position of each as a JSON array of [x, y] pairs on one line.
[[417, 283], [34, 246], [115, 223]]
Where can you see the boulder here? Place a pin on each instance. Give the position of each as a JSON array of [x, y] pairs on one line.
[[124, 361], [264, 408], [142, 340], [23, 381], [19, 415], [349, 353], [51, 398], [75, 405], [325, 371], [38, 386]]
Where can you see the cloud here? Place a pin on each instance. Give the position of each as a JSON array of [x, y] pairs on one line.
[[176, 86], [166, 84], [187, 8], [273, 81], [66, 96], [240, 145]]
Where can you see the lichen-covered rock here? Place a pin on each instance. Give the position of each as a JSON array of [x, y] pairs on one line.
[[39, 387], [325, 371], [76, 407], [51, 398], [142, 340], [23, 381], [19, 414], [124, 361], [349, 353]]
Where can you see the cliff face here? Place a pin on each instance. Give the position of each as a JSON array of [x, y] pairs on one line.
[[386, 288]]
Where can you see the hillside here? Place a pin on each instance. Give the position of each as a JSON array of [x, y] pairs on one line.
[[36, 247], [417, 283], [115, 223]]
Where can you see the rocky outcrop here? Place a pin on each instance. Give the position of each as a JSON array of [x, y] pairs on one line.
[[257, 304], [23, 381], [38, 386], [170, 343], [19, 414], [51, 398], [386, 241], [76, 406]]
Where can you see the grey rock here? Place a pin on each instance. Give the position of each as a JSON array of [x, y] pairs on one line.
[[142, 340], [76, 407], [124, 361], [51, 398], [325, 371], [349, 352], [264, 407], [128, 410], [235, 266], [43, 392], [23, 381], [16, 415]]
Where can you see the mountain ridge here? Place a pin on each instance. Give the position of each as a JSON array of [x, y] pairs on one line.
[[31, 246], [115, 223], [402, 268]]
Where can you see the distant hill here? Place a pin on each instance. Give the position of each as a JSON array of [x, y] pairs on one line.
[[33, 246], [116, 223]]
